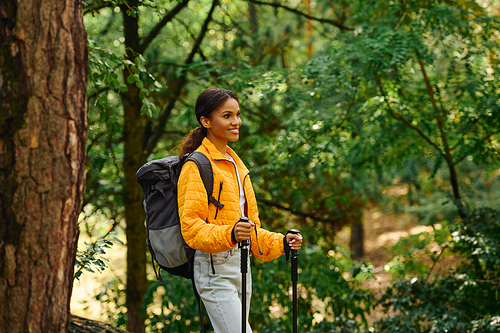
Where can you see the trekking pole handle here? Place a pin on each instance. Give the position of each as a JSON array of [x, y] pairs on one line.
[[243, 245], [295, 253]]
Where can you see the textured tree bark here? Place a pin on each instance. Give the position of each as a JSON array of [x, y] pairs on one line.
[[43, 123], [134, 157]]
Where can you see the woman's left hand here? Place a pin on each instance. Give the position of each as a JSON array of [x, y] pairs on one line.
[[294, 241]]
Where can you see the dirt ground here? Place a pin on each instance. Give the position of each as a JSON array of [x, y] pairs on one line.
[[381, 232]]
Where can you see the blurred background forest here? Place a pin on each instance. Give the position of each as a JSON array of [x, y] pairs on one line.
[[372, 126]]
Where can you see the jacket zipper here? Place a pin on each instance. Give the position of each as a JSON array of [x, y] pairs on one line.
[[218, 200]]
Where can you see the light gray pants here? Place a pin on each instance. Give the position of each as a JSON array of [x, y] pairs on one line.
[[221, 292]]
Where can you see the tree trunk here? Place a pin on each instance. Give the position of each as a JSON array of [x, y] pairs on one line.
[[135, 217], [357, 241], [134, 157], [43, 124]]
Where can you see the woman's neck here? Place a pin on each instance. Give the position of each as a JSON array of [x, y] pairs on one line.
[[219, 144]]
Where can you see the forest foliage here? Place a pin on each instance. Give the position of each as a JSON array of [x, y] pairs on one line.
[[340, 101]]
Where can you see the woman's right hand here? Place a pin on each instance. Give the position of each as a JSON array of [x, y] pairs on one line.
[[242, 231]]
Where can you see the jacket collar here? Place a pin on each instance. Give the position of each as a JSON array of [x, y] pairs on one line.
[[210, 148], [215, 154]]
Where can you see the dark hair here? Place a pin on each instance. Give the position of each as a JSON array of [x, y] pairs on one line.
[[208, 101]]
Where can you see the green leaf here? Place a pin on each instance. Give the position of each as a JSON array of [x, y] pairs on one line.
[[103, 116]]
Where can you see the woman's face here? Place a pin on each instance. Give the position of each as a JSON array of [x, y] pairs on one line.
[[224, 123]]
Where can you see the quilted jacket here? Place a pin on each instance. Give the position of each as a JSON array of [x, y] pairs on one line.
[[208, 230]]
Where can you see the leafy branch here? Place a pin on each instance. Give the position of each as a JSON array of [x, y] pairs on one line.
[[91, 259], [160, 128], [436, 259], [399, 117], [156, 30], [298, 12]]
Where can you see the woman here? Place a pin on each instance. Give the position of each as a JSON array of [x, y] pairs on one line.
[[213, 231]]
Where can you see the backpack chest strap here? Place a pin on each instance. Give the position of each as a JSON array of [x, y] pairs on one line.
[[215, 202]]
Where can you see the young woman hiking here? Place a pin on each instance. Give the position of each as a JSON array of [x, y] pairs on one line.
[[215, 232]]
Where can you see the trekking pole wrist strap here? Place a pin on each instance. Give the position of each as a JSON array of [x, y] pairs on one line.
[[286, 247], [233, 236]]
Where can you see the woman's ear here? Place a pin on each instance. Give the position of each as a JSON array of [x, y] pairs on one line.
[[205, 122]]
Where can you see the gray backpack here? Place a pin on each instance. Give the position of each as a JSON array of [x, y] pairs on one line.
[[158, 180]]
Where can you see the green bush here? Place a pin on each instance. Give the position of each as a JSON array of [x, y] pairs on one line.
[[466, 299]]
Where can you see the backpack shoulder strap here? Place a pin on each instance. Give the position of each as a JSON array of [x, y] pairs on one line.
[[205, 167], [207, 175]]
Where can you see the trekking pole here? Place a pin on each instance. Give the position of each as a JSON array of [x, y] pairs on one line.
[[295, 278], [243, 245]]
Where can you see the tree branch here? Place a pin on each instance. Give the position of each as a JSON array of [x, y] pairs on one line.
[[156, 30], [435, 262], [192, 36], [473, 123], [98, 92], [180, 83], [447, 150], [447, 154], [84, 325], [94, 9], [298, 213], [298, 12], [406, 122]]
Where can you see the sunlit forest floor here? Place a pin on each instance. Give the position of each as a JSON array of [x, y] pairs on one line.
[[381, 232]]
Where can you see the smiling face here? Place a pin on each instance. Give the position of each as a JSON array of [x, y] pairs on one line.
[[223, 124]]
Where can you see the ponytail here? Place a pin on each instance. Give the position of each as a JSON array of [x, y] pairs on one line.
[[193, 140]]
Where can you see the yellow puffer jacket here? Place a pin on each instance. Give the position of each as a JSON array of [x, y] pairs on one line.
[[214, 235]]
